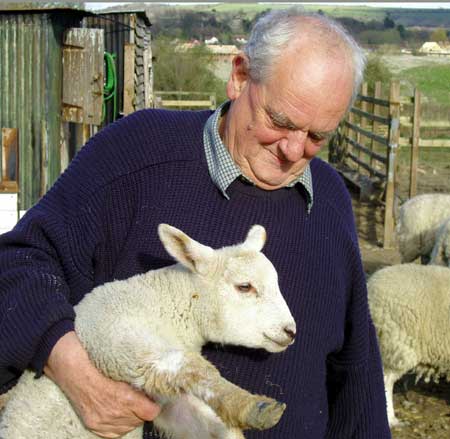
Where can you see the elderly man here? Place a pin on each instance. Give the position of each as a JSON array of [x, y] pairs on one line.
[[213, 175]]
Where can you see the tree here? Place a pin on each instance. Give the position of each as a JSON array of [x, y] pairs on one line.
[[185, 70], [376, 70], [388, 22], [374, 37], [439, 34], [402, 31]]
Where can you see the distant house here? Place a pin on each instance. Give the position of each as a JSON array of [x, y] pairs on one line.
[[187, 46], [220, 51], [212, 40], [223, 55], [437, 49], [241, 40], [430, 47]]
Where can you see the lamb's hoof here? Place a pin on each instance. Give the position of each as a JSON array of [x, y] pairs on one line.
[[265, 414]]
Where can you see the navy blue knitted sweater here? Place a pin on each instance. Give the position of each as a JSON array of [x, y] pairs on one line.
[[99, 222]]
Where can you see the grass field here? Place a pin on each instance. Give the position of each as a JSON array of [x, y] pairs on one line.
[[432, 80]]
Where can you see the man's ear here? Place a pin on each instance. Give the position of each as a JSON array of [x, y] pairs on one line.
[[238, 77]]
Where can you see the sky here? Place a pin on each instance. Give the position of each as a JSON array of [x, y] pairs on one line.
[[418, 5]]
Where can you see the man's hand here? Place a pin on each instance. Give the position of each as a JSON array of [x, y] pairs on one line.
[[108, 408]]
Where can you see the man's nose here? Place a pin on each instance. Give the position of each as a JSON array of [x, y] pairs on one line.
[[293, 145]]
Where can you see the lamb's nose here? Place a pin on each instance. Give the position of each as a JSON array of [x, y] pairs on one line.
[[290, 332]]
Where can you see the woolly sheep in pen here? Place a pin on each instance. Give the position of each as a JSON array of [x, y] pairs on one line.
[[419, 221], [440, 254], [148, 330], [410, 304]]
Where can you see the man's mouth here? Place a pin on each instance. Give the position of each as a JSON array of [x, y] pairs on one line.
[[280, 160]]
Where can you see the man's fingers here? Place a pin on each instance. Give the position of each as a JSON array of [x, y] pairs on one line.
[[106, 435], [144, 408]]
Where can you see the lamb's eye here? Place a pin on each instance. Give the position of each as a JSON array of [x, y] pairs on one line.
[[245, 288]]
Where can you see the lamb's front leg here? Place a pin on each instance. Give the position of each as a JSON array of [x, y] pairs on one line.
[[176, 373]]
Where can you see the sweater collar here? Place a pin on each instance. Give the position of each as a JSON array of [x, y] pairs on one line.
[[224, 171]]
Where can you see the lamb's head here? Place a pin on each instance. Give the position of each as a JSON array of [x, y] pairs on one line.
[[238, 293]]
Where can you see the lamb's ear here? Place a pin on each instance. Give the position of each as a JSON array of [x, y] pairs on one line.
[[185, 250], [256, 238]]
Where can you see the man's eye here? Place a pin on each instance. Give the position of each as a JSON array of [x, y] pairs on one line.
[[317, 137], [277, 124]]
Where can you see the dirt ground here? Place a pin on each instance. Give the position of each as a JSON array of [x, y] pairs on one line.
[[424, 407]]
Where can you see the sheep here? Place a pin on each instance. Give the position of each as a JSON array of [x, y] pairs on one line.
[[410, 304], [419, 220], [440, 254], [148, 330]]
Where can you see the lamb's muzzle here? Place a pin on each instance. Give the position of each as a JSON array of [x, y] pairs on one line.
[[290, 331]]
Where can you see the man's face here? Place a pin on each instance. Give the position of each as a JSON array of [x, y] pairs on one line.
[[274, 128]]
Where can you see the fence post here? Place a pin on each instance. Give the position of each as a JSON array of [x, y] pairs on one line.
[[376, 111], [362, 120], [393, 139], [415, 145], [351, 133], [212, 99]]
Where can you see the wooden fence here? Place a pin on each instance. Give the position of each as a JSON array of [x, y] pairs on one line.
[[185, 99], [366, 146], [415, 124], [359, 146]]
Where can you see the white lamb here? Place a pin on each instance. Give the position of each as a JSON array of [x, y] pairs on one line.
[[410, 306], [418, 223], [440, 254], [148, 330]]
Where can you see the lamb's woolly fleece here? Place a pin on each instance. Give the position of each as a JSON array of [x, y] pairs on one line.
[[440, 254], [410, 306], [148, 328], [418, 223]]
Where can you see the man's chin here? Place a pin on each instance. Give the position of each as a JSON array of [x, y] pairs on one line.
[[273, 182]]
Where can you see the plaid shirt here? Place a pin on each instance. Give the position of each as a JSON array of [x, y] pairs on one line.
[[221, 166]]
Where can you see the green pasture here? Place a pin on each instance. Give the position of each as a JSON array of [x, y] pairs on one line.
[[433, 81]]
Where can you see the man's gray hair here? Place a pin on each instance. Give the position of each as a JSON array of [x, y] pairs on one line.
[[273, 32]]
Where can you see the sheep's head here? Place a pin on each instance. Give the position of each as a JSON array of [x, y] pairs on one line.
[[240, 295]]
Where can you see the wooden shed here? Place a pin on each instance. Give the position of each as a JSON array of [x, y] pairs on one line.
[[52, 81], [128, 39]]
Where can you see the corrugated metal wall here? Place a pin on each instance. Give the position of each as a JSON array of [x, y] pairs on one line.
[[30, 93], [30, 90], [31, 85], [22, 89]]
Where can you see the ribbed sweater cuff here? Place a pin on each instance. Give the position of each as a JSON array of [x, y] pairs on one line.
[[47, 342]]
